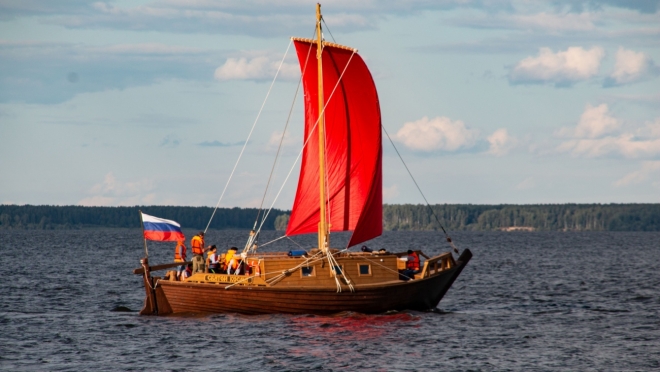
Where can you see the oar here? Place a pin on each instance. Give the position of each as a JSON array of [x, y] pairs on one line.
[[140, 270]]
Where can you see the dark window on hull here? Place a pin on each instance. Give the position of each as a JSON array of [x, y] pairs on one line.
[[365, 270]]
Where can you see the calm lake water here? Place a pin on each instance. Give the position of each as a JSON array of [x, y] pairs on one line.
[[526, 302]]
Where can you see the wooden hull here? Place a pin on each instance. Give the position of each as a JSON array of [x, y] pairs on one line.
[[420, 294]]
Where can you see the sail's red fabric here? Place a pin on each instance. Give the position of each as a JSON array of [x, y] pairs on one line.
[[353, 147]]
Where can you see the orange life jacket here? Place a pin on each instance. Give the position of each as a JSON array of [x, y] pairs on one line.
[[197, 245], [231, 254], [180, 251], [413, 261]]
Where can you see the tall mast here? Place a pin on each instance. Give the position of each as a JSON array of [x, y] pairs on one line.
[[324, 238]]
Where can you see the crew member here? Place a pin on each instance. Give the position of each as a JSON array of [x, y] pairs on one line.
[[180, 256], [412, 265], [198, 249], [213, 260], [186, 273], [413, 261], [231, 261]]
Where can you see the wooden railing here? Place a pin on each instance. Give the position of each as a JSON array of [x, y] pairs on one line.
[[436, 264]]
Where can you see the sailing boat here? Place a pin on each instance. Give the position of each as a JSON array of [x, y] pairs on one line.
[[339, 189]]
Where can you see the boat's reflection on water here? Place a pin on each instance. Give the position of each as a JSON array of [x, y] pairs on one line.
[[346, 340], [351, 326]]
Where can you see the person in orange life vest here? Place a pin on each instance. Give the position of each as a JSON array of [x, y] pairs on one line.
[[198, 249], [413, 261], [232, 260], [412, 266], [180, 256], [213, 260]]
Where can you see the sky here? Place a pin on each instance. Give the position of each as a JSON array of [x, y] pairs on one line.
[[120, 103]]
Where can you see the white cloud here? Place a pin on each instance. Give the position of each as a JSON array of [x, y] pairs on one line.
[[255, 18], [111, 192], [625, 144], [561, 68], [542, 21], [97, 201], [594, 122], [146, 49], [77, 68], [556, 22], [390, 192], [440, 133], [170, 140], [643, 6], [262, 67], [290, 145], [630, 67], [648, 169], [526, 184], [501, 142], [599, 134], [652, 129]]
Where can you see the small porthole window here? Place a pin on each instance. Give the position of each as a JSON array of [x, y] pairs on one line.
[[364, 269], [338, 270], [307, 271]]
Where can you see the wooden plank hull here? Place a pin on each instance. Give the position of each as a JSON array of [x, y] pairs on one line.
[[420, 294]]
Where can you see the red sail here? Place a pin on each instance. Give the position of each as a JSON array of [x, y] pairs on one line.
[[353, 146]]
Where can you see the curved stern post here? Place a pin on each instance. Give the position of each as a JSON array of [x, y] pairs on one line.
[[150, 306]]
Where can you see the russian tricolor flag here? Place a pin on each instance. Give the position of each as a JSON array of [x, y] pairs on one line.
[[161, 229]]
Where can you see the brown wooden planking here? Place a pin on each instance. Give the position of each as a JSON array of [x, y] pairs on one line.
[[196, 298], [323, 276], [369, 298]]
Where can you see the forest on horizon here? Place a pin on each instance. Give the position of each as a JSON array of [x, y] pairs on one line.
[[454, 217]]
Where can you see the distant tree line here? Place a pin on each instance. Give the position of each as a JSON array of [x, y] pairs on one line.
[[74, 217], [543, 217]]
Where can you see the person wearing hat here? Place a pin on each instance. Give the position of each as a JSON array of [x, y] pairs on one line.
[[198, 249]]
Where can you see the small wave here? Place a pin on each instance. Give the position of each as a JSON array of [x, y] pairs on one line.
[[440, 311], [126, 325], [641, 298], [611, 310]]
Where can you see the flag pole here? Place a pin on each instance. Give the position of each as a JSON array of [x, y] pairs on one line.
[[146, 251]]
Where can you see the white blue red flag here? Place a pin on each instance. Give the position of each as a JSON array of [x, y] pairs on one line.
[[161, 229]]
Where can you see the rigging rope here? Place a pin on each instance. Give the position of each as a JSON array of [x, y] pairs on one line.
[[296, 243], [387, 268], [273, 241], [279, 148], [253, 238], [283, 273], [305, 144], [308, 261], [249, 135], [420, 191], [328, 28]]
